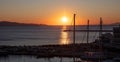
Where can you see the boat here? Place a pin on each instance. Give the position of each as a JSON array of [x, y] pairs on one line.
[[109, 46], [110, 42]]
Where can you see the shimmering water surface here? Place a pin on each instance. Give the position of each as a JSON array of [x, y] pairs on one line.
[[41, 35]]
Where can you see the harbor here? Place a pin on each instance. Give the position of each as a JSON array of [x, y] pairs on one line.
[[59, 31], [106, 47], [71, 50]]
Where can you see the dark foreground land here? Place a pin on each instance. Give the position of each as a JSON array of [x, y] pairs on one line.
[[70, 50]]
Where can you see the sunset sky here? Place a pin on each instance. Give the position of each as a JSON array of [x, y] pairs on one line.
[[51, 12]]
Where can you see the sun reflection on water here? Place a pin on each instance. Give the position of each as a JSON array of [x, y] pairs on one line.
[[64, 36]]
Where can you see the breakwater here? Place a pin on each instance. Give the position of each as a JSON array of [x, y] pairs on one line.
[[69, 50], [89, 30], [45, 50]]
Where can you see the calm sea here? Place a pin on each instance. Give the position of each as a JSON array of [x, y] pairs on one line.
[[41, 35]]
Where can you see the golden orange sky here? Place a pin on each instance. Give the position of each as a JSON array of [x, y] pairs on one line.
[[50, 12]]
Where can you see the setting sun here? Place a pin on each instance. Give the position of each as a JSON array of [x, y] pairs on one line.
[[64, 19]]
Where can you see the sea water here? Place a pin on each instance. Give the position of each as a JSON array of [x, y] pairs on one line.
[[42, 35]]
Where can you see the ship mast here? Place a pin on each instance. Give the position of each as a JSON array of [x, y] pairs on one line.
[[74, 30], [87, 31], [100, 42], [74, 37], [100, 32]]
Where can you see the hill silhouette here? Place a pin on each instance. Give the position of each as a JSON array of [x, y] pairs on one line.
[[6, 23], [117, 23]]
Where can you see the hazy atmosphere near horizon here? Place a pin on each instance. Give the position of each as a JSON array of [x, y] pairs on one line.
[[60, 12], [59, 30]]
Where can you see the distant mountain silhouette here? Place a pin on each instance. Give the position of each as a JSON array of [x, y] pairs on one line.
[[6, 23], [117, 23]]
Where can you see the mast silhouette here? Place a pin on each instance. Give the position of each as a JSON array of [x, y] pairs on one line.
[[100, 42], [87, 31], [74, 37], [101, 22], [74, 30]]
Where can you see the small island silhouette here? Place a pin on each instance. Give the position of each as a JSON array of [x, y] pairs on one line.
[[7, 23]]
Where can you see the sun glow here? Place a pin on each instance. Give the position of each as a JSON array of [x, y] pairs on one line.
[[64, 19]]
